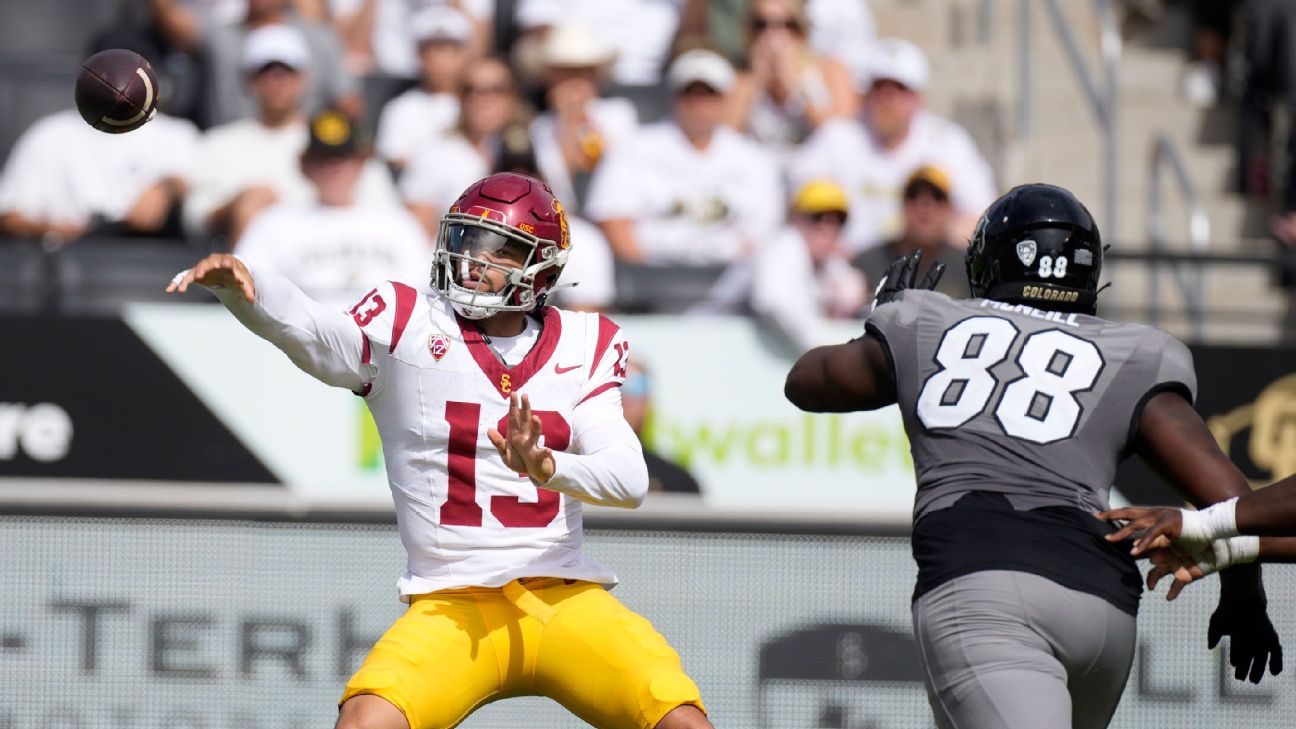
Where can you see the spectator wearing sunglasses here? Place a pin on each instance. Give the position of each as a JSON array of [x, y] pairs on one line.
[[787, 91], [927, 211], [803, 279]]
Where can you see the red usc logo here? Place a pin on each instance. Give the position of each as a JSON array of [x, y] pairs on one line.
[[438, 345]]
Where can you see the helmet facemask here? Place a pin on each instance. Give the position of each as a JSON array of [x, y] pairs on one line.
[[471, 248]]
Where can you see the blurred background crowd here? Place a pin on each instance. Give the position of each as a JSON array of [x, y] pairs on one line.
[[762, 157]]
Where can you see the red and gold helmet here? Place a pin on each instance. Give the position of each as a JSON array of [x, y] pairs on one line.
[[505, 217]]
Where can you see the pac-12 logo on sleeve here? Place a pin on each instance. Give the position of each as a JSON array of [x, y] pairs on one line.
[[438, 345]]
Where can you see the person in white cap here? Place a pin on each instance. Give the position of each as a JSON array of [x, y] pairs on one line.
[[247, 165], [580, 128], [873, 156], [309, 47], [688, 190], [788, 90], [427, 111]]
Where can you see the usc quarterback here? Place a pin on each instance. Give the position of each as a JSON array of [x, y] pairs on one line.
[[499, 415]]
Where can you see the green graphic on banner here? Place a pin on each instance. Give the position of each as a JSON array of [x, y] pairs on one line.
[[370, 445]]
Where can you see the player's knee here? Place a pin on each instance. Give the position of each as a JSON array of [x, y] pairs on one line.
[[370, 712]]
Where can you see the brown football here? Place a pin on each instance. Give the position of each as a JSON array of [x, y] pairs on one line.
[[116, 91]]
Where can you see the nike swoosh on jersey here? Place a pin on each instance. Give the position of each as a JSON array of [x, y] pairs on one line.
[[561, 370]]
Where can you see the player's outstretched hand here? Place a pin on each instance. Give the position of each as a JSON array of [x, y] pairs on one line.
[[900, 276], [1154, 522], [217, 270], [520, 448], [1172, 561], [1253, 640]]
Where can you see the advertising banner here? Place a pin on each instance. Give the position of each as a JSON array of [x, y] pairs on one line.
[[185, 393], [137, 624]]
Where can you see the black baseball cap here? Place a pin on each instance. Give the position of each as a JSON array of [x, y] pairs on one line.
[[336, 134]]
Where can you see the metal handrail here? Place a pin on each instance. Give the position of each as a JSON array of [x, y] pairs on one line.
[[1166, 156], [1102, 99]]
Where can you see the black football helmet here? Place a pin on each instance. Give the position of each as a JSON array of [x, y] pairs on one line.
[[1037, 245]]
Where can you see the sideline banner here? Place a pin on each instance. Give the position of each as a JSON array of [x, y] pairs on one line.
[[220, 404], [152, 624], [184, 393]]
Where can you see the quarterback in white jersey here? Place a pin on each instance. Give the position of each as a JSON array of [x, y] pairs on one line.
[[498, 416]]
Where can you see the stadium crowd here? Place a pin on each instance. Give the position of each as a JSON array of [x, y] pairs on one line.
[[803, 152]]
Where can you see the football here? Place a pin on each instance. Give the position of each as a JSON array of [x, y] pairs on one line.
[[116, 91]]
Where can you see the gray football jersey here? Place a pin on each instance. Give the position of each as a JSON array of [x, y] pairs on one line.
[[1037, 405]]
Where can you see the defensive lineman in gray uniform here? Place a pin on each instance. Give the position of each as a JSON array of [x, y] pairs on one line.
[[1019, 404]]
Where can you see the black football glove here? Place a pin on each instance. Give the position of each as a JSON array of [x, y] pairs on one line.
[[900, 276], [1254, 642]]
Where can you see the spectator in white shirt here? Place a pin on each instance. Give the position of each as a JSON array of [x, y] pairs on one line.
[[429, 110], [804, 278], [248, 165], [335, 245], [689, 190], [873, 156], [789, 90], [439, 172], [64, 178], [580, 128]]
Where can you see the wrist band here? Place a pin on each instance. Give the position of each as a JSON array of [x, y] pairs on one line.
[[1243, 549], [1218, 521]]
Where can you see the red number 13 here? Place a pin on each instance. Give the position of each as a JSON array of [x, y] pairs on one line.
[[370, 306], [461, 508]]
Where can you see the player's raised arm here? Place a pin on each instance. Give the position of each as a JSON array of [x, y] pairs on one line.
[[858, 375], [326, 344]]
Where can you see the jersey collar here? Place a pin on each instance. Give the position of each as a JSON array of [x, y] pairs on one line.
[[509, 380]]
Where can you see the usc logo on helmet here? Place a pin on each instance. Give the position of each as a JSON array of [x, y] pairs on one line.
[[565, 240]]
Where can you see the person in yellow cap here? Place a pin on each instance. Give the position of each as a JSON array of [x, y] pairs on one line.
[[927, 214], [803, 279]]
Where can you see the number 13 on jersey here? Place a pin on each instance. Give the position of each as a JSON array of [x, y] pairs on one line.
[[1039, 406]]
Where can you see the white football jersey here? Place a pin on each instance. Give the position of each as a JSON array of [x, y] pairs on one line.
[[435, 388]]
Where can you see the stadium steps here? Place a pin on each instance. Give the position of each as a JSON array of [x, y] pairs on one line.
[[976, 83]]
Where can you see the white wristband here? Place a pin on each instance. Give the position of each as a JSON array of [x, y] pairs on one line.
[[1218, 521], [1223, 553], [1244, 549]]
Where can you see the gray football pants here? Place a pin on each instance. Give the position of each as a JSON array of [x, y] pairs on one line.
[[1012, 650]]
